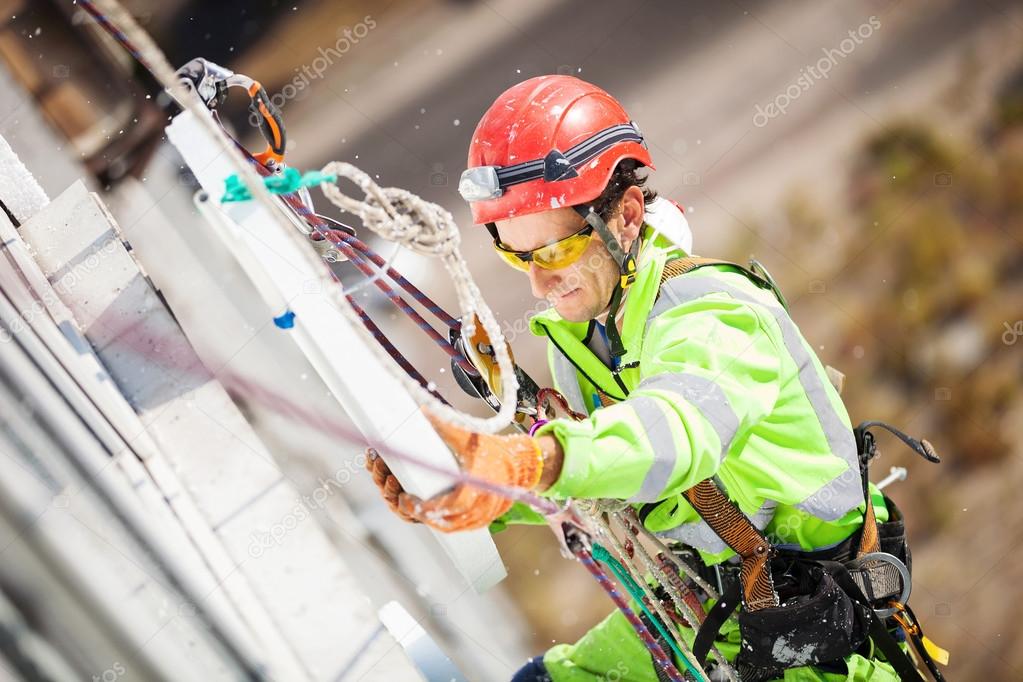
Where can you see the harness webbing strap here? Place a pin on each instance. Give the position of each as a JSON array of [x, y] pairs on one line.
[[715, 620], [869, 540], [919, 641], [739, 533], [878, 632], [686, 264], [879, 580]]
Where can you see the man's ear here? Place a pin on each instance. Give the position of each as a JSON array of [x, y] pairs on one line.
[[633, 215]]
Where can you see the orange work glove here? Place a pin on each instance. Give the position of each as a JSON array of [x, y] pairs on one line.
[[389, 486], [513, 461]]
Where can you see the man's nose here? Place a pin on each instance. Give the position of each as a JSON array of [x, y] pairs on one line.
[[539, 280]]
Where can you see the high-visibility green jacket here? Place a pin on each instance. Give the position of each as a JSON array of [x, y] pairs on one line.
[[717, 381]]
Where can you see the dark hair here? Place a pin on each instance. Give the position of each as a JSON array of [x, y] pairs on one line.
[[623, 177]]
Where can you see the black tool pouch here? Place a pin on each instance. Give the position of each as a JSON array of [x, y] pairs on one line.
[[816, 623]]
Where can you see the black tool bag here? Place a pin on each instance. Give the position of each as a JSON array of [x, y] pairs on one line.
[[815, 623]]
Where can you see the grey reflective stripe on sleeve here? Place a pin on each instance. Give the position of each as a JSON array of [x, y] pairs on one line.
[[701, 393], [568, 382], [662, 441], [837, 497], [706, 396], [699, 535]]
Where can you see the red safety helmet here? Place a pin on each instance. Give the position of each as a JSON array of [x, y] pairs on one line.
[[547, 142]]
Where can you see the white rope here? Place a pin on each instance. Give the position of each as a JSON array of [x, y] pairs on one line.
[[596, 506], [426, 228], [683, 567]]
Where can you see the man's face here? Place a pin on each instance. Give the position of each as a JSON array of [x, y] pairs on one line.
[[580, 291]]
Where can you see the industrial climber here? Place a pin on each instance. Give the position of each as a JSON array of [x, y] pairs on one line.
[[685, 370]]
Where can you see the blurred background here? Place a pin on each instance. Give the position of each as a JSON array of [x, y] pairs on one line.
[[869, 153]]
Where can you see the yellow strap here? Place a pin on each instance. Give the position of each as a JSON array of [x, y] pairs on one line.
[[935, 651]]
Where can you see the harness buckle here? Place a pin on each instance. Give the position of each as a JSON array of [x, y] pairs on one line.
[[871, 573], [628, 271]]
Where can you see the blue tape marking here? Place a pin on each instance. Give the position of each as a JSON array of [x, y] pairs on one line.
[[285, 320]]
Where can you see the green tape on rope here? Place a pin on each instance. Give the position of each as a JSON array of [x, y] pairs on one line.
[[286, 183], [600, 553]]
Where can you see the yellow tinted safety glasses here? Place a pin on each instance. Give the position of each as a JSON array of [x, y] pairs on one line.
[[555, 256]]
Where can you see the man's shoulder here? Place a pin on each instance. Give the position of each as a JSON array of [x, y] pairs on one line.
[[713, 277]]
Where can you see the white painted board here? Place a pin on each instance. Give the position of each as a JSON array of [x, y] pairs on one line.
[[290, 276]]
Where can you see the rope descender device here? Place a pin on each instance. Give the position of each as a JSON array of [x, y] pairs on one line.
[[480, 376], [211, 82]]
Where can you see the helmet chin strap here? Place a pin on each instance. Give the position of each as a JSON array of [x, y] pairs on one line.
[[627, 274]]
